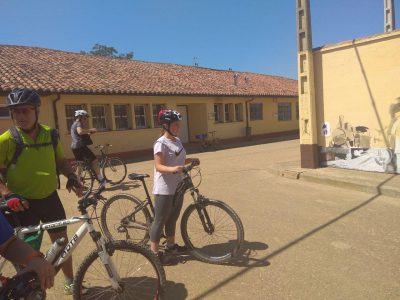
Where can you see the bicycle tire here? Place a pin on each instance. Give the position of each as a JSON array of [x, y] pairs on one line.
[[120, 211], [212, 253], [144, 260], [111, 166], [86, 177]]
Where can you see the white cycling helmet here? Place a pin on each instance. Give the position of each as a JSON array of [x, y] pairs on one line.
[[81, 113]]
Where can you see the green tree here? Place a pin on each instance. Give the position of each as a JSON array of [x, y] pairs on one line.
[[106, 51]]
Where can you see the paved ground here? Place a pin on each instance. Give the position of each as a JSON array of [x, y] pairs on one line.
[[304, 240]]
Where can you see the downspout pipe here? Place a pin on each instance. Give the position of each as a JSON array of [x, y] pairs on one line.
[[248, 128], [56, 123]]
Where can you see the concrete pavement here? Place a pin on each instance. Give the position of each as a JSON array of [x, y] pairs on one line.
[[303, 240]]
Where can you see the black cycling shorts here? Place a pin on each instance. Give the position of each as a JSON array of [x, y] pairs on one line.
[[83, 154], [49, 209]]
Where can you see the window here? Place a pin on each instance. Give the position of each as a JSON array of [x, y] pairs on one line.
[[228, 113], [218, 113], [140, 116], [284, 112], [70, 114], [4, 113], [256, 111], [238, 112], [297, 110], [156, 109], [99, 117], [121, 116]]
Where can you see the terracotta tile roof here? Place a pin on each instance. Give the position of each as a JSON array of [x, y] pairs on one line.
[[55, 71]]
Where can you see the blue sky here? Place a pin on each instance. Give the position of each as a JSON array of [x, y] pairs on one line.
[[253, 35]]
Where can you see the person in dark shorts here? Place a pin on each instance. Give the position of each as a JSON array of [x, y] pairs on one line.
[[81, 140], [30, 181]]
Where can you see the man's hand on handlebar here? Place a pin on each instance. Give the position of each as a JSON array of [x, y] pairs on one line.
[[15, 202], [74, 184]]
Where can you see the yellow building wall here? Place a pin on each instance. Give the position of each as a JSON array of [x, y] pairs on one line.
[[200, 118], [358, 83]]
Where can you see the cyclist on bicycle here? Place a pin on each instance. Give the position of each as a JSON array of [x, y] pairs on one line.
[[21, 253], [169, 160], [32, 158], [80, 141]]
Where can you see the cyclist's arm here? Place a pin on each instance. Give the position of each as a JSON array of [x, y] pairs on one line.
[[82, 131], [63, 165], [21, 253]]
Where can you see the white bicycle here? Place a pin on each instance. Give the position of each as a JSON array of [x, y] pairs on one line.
[[114, 270]]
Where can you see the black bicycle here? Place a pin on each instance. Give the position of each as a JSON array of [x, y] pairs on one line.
[[210, 229], [113, 169]]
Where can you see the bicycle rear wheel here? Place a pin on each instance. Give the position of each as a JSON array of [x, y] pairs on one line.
[[119, 220], [81, 170], [212, 231], [114, 170], [140, 272]]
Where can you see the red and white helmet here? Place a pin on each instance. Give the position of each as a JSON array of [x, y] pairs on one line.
[[167, 116]]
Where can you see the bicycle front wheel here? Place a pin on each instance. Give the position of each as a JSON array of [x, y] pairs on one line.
[[114, 170], [121, 221], [212, 231], [140, 273]]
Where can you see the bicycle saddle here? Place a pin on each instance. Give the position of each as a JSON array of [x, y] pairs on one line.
[[134, 176]]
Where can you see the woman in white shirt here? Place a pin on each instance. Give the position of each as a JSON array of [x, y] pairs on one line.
[[169, 160]]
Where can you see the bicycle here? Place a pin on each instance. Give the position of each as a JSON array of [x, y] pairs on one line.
[[203, 222], [142, 279], [207, 143], [113, 169]]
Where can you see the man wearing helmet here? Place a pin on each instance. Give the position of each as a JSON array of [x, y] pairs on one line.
[[169, 160], [80, 141], [30, 161]]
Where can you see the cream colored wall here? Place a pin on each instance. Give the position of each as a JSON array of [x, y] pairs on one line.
[[359, 80], [200, 119]]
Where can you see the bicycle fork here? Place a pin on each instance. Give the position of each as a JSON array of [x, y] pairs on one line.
[[203, 214], [106, 259]]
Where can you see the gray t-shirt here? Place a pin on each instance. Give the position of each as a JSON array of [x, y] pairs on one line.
[[79, 141], [174, 155]]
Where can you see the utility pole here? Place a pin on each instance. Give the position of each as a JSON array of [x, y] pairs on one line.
[[390, 24], [307, 106]]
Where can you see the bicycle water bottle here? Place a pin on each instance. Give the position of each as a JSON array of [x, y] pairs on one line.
[[54, 250]]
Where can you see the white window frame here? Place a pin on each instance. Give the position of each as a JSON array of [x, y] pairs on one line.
[[103, 117], [284, 111], [218, 117], [238, 112], [144, 116], [121, 117]]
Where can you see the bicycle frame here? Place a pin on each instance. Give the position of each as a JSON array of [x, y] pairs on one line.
[[185, 184], [66, 252]]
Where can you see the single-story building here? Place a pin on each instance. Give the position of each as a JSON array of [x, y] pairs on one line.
[[123, 97]]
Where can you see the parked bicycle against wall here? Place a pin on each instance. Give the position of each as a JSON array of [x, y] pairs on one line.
[[113, 169], [114, 270], [208, 141], [210, 229]]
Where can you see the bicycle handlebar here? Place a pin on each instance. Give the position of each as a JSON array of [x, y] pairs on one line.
[[87, 201], [191, 166]]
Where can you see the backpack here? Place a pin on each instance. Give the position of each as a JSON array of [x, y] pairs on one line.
[[20, 145]]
